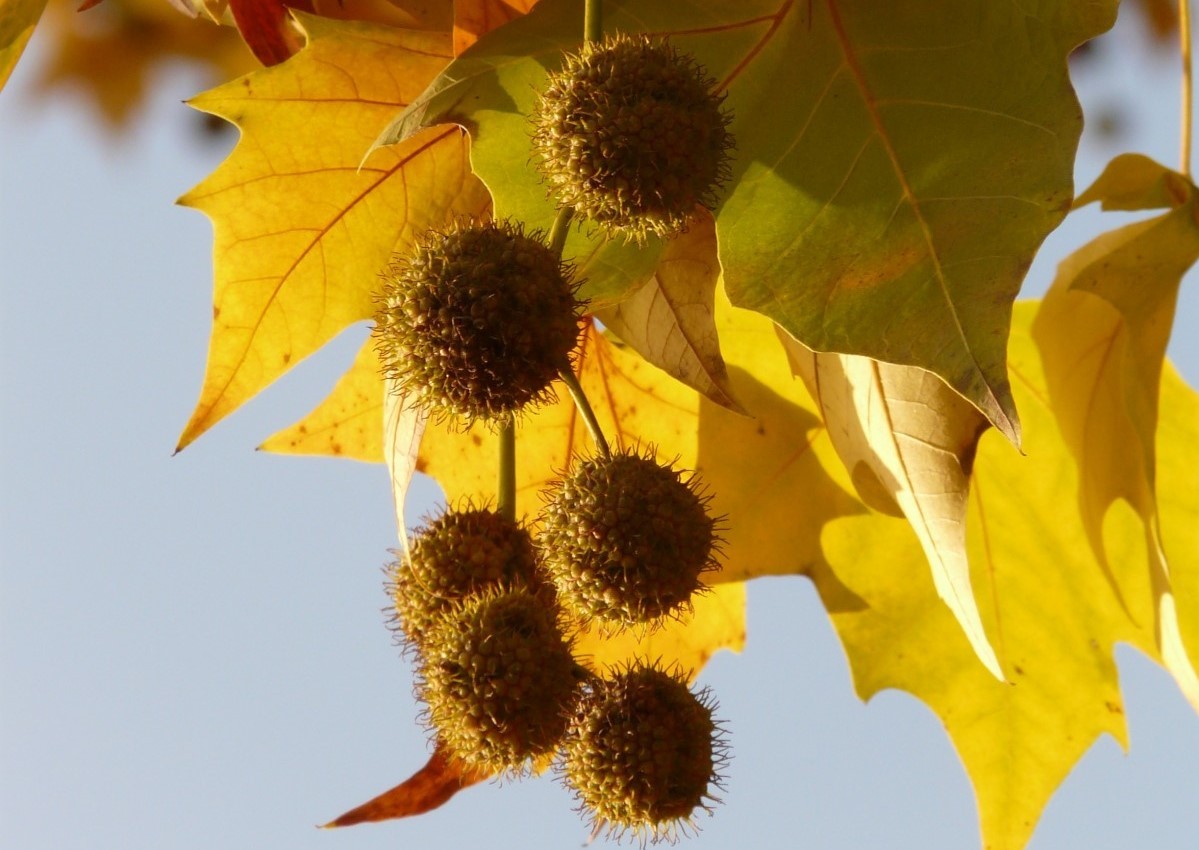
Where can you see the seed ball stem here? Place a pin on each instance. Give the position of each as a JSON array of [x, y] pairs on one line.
[[588, 413], [506, 486], [593, 29]]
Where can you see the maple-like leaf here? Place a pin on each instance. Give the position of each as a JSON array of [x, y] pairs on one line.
[[890, 209], [301, 230], [1102, 331], [17, 20], [908, 441], [1053, 614], [671, 320]]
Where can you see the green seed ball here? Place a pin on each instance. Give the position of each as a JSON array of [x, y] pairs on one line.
[[630, 134], [499, 680], [477, 321], [626, 540], [461, 552], [643, 754]]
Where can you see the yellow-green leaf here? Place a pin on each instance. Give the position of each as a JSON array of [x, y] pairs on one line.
[[1102, 332], [906, 438], [17, 20], [301, 231], [671, 320], [891, 209]]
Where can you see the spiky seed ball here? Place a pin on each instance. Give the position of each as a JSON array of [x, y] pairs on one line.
[[643, 753], [461, 552], [477, 321], [626, 539], [499, 680], [630, 134]]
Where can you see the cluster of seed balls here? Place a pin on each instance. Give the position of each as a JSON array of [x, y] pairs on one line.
[[473, 325], [488, 612]]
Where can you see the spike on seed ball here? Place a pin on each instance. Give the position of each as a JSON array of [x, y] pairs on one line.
[[461, 552], [499, 680], [643, 754], [626, 540], [630, 134], [477, 321]]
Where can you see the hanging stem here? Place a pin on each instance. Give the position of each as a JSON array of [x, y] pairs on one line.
[[560, 230], [592, 26], [507, 481], [1188, 92], [584, 406]]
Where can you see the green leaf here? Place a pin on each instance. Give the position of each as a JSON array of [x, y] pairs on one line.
[[888, 208]]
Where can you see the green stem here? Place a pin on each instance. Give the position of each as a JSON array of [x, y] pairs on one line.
[[560, 230], [584, 406], [507, 481], [592, 26]]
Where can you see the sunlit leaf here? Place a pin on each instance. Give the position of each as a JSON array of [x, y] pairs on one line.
[[403, 427], [1102, 331], [1044, 599], [891, 209], [908, 441], [671, 321], [346, 424], [301, 230]]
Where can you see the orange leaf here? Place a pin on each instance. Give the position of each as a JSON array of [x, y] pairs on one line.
[[473, 18], [425, 790]]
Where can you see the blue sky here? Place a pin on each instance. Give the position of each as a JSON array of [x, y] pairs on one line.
[[192, 648]]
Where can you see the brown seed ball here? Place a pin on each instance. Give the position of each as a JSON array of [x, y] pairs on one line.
[[499, 680], [477, 321], [626, 540], [460, 553], [643, 754], [629, 134]]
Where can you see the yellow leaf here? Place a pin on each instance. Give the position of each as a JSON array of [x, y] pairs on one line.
[[671, 321], [1043, 598], [908, 439], [301, 231], [1102, 332], [17, 20], [346, 424], [403, 427], [768, 473]]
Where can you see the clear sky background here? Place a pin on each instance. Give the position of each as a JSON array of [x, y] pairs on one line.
[[192, 648]]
